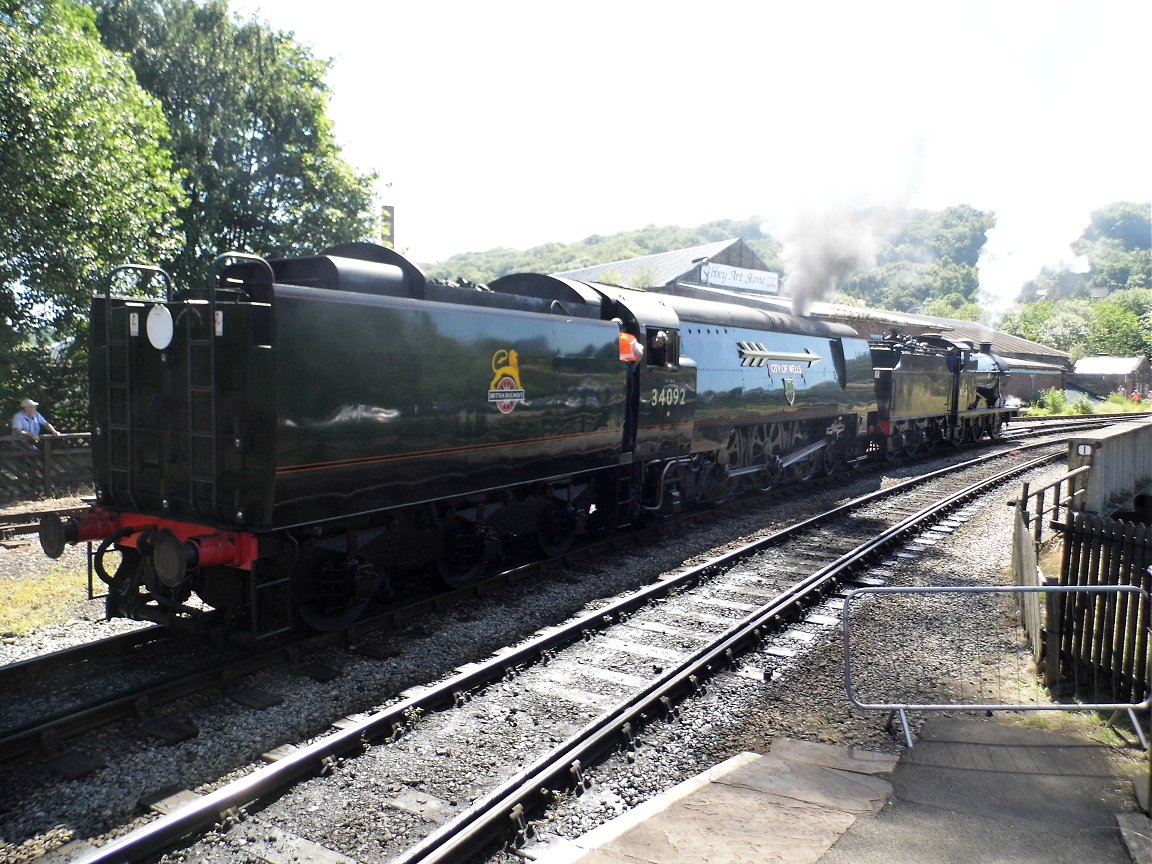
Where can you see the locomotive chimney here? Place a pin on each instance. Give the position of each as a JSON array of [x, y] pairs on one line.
[[985, 347]]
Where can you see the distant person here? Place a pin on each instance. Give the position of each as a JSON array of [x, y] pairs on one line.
[[29, 423]]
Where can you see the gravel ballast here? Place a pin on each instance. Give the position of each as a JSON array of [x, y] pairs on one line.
[[804, 698]]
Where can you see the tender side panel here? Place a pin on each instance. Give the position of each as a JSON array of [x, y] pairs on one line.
[[388, 402], [921, 386]]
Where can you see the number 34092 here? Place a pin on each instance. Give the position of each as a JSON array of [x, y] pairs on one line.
[[669, 396]]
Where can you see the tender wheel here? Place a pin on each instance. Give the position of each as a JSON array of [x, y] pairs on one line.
[[457, 575], [469, 550], [335, 592], [563, 526]]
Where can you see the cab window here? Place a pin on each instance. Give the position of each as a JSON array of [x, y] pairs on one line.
[[662, 347]]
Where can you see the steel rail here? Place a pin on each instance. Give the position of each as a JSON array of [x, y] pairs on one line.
[[491, 816]]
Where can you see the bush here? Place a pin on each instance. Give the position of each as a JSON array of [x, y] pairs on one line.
[[1082, 405], [1054, 400]]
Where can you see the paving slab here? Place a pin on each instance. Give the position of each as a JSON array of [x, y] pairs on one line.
[[990, 791], [751, 809], [971, 790]]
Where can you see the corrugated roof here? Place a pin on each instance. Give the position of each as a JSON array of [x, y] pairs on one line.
[[650, 271], [1102, 364]]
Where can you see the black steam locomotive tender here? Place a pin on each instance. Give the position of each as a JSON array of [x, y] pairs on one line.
[[273, 448]]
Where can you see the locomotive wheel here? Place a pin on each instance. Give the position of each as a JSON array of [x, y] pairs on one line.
[[833, 459], [763, 451], [913, 440], [858, 449], [809, 468], [720, 487], [712, 483], [895, 445]]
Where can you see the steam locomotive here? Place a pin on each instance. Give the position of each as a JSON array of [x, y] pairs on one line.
[[272, 448]]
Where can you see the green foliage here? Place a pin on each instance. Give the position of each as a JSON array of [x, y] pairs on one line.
[[250, 133], [555, 257], [1065, 326], [1118, 403], [87, 183], [928, 266], [1054, 400], [1126, 222], [1117, 244], [954, 306], [1119, 331], [1082, 405]]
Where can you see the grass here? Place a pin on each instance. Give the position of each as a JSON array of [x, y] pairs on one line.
[[38, 601], [1054, 402]]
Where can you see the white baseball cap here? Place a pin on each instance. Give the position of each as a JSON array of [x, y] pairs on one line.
[[28, 402]]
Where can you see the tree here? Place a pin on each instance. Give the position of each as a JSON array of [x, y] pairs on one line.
[[1126, 222], [1122, 325], [1065, 326], [932, 255], [250, 133], [1117, 244], [961, 234], [954, 306], [86, 184]]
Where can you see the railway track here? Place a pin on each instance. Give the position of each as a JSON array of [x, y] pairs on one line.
[[589, 686], [144, 671]]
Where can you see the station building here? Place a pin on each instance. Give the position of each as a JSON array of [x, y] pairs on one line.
[[1102, 374]]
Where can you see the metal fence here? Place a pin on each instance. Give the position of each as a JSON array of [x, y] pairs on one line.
[[58, 466], [973, 668]]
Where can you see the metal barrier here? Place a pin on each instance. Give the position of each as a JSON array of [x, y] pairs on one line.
[[972, 669], [1038, 513]]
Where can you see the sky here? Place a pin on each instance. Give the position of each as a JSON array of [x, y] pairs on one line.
[[508, 123]]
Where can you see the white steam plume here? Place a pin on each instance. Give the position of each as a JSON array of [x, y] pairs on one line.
[[822, 247]]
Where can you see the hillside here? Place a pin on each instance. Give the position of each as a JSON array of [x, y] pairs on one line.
[[553, 257]]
